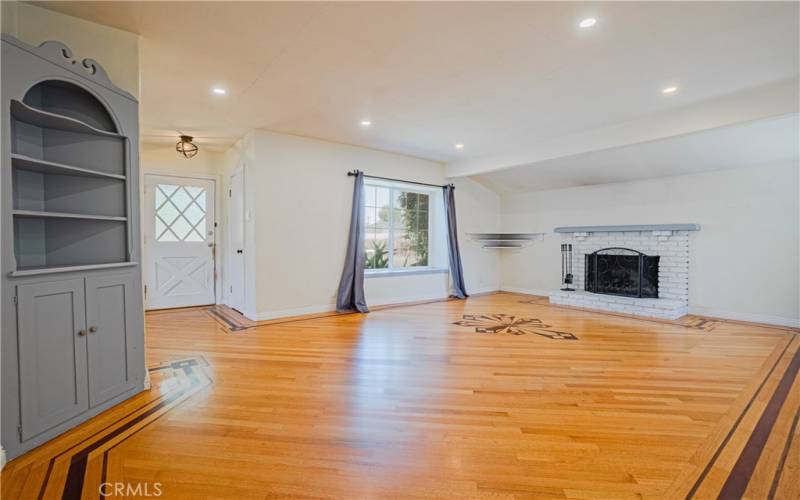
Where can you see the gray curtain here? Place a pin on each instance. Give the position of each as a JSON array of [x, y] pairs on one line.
[[459, 290], [351, 287]]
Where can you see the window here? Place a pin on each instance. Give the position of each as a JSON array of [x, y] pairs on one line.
[[397, 222], [180, 213]]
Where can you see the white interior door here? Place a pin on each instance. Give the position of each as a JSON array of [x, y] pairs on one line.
[[179, 241], [236, 241]]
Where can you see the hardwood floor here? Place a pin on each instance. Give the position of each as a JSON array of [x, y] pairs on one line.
[[499, 396]]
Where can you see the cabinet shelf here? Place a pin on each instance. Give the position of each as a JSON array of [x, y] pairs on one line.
[[49, 167], [61, 215], [37, 270], [45, 119]]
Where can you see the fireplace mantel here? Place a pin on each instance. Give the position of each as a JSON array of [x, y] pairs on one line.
[[632, 227]]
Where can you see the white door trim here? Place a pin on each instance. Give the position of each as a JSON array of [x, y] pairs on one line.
[[214, 224]]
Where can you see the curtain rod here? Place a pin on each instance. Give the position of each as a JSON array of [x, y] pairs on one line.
[[354, 172]]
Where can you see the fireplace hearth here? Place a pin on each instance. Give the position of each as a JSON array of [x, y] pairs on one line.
[[621, 271]]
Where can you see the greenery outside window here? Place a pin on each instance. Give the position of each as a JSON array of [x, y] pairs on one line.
[[397, 228]]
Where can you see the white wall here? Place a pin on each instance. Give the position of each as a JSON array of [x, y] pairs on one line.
[[163, 159], [743, 262], [299, 196], [117, 51], [477, 211]]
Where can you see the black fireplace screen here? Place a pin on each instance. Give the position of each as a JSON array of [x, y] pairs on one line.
[[622, 271]]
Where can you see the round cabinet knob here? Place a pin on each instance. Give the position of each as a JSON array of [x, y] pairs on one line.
[[82, 333], [92, 329]]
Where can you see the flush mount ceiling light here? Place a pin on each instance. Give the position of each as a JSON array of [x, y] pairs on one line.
[[186, 147], [588, 22], [366, 123], [459, 146], [219, 91], [669, 90]]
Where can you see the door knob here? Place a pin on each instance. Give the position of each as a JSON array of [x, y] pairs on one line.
[[240, 251], [82, 333], [92, 329]]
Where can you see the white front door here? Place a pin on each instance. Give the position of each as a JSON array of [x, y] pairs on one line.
[[179, 241], [236, 241]]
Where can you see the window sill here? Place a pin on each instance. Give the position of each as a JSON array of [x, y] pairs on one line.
[[369, 273]]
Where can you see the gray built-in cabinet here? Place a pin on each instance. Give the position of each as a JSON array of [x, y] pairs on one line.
[[72, 314]]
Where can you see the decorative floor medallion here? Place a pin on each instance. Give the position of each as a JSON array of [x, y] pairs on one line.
[[505, 323]]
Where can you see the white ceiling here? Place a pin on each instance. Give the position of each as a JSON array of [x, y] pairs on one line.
[[487, 74], [762, 142]]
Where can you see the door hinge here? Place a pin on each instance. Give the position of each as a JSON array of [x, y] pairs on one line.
[[145, 292], [230, 193], [231, 288], [19, 431], [15, 299]]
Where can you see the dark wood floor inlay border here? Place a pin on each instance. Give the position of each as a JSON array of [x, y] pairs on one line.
[[785, 455], [701, 478], [742, 471], [231, 319], [190, 375]]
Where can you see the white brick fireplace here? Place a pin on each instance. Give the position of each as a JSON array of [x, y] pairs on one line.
[[668, 241]]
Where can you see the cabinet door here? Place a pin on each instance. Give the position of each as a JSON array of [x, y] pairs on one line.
[[52, 354], [110, 306]]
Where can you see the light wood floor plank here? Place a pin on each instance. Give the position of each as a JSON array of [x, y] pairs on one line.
[[413, 402]]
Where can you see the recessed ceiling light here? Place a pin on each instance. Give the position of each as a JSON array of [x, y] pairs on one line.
[[588, 22], [219, 91], [459, 146], [669, 90], [366, 123]]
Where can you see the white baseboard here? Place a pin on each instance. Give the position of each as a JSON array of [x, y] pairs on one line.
[[527, 291], [299, 311], [402, 299], [483, 289], [2, 457], [742, 316]]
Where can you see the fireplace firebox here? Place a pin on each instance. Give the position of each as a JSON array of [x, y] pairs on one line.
[[622, 271]]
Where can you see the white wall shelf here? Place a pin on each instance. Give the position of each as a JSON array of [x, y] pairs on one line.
[[505, 240]]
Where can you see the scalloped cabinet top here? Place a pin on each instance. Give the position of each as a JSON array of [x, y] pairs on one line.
[[60, 54]]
